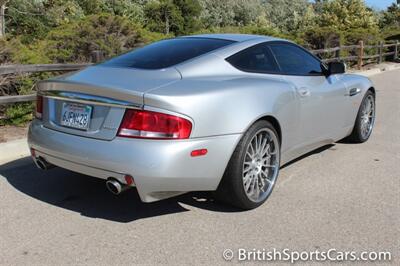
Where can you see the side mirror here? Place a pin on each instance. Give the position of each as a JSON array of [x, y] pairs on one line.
[[336, 68]]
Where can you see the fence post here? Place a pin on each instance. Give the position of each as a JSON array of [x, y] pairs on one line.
[[97, 56], [360, 55], [396, 51], [337, 53], [380, 60]]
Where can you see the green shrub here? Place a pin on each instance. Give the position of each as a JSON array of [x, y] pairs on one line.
[[391, 33], [5, 52], [252, 29], [322, 37], [110, 34], [368, 36], [18, 114]]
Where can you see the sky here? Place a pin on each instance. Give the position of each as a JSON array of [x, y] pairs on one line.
[[380, 4]]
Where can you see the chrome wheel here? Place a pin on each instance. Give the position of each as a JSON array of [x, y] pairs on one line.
[[367, 116], [261, 165]]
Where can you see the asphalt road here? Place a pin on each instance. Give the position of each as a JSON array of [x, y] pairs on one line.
[[343, 196]]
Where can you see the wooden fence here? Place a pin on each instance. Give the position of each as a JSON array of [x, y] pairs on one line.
[[357, 55], [22, 69]]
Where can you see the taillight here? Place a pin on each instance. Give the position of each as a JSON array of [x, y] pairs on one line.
[[153, 125], [39, 107]]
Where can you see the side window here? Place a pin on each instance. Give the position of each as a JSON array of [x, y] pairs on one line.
[[258, 59], [295, 61]]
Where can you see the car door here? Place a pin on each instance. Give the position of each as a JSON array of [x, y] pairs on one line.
[[259, 62], [322, 98]]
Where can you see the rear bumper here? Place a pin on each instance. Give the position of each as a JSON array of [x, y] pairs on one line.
[[160, 168]]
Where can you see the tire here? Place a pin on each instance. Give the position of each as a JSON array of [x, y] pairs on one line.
[[362, 131], [252, 171]]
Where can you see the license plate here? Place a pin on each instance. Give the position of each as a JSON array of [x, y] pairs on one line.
[[76, 115]]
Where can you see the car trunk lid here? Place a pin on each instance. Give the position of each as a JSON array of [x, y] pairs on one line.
[[101, 94]]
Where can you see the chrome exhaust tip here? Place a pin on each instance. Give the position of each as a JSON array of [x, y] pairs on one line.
[[43, 164], [116, 187]]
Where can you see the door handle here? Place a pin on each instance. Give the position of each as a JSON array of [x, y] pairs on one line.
[[304, 92], [354, 91]]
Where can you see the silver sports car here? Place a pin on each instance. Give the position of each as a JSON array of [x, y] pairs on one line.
[[217, 112]]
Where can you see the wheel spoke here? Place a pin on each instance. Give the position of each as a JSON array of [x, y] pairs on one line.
[[258, 141], [252, 186], [247, 179], [266, 176], [247, 169], [263, 145], [255, 146], [256, 190], [248, 154], [248, 184], [266, 149], [367, 107], [262, 181], [270, 165]]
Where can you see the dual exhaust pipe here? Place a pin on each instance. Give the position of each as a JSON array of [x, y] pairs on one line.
[[43, 164], [116, 187], [112, 184]]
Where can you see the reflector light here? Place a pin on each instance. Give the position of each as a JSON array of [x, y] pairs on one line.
[[129, 180], [39, 107], [154, 125], [200, 152]]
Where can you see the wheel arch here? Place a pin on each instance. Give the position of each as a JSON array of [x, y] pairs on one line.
[[372, 89], [275, 123]]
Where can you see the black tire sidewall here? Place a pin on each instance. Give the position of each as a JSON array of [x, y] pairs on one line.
[[234, 170], [358, 136]]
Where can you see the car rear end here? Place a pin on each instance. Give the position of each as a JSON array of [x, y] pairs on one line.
[[95, 122]]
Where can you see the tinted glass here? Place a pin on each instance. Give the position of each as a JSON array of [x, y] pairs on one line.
[[255, 59], [167, 53], [294, 60]]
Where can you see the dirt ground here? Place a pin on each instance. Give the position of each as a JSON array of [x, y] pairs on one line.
[[8, 133]]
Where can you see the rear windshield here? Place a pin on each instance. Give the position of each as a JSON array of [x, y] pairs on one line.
[[167, 53]]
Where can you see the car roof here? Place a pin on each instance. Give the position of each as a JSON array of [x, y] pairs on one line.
[[233, 37]]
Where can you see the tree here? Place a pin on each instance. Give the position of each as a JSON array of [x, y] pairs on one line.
[[289, 15], [32, 19], [217, 13], [246, 12], [345, 15], [391, 17], [224, 13], [62, 11], [113, 35], [91, 7], [163, 16], [342, 22], [177, 16], [190, 10], [2, 20], [27, 19]]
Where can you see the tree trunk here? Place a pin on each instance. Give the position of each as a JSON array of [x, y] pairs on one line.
[[2, 21], [166, 22]]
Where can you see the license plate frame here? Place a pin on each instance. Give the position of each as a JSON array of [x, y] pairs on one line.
[[76, 116]]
